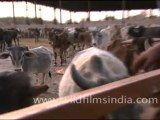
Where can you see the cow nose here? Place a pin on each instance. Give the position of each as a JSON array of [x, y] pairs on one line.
[[94, 44], [18, 70]]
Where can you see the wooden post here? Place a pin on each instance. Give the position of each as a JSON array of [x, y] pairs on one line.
[[14, 20], [60, 6]]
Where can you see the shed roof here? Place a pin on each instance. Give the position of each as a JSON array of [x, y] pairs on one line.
[[96, 5]]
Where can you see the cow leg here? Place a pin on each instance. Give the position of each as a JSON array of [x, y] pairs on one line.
[[35, 39], [15, 42], [65, 56], [18, 41], [1, 46], [36, 78], [61, 57], [55, 57], [43, 78]]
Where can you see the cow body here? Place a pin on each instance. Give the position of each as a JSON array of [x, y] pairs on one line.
[[16, 91], [60, 44], [141, 31], [95, 65], [92, 68], [125, 54], [141, 44], [105, 36]]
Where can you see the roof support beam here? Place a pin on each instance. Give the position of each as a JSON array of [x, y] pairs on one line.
[[54, 13], [70, 16], [60, 7], [35, 11], [89, 5], [14, 19], [123, 11], [27, 20]]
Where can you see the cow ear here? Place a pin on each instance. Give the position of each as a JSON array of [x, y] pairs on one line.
[[4, 55], [29, 54], [39, 89]]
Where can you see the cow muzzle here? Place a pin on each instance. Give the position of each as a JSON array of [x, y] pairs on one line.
[[94, 44], [18, 70]]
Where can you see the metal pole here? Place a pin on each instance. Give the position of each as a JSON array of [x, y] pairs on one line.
[[54, 13], [128, 13], [71, 16], [40, 11], [158, 6], [60, 6], [89, 10], [150, 12], [123, 12], [26, 10], [35, 11], [14, 20], [27, 20]]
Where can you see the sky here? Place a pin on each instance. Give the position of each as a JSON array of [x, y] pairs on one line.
[[47, 13]]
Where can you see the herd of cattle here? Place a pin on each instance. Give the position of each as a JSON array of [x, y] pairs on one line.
[[102, 55]]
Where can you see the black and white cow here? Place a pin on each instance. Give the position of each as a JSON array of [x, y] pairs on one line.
[[142, 31]]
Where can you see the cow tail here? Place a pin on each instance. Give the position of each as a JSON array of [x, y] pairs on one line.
[[50, 75], [139, 63]]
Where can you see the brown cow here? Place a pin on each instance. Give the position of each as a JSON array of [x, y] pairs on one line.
[[60, 43], [16, 91], [84, 38], [148, 60], [122, 52]]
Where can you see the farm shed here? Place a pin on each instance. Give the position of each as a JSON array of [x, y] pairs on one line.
[[58, 108], [93, 5]]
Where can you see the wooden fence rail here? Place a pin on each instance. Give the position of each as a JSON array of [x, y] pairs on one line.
[[83, 104]]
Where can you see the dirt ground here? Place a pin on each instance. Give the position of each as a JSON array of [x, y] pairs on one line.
[[52, 93]]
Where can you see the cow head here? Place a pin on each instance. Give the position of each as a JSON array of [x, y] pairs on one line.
[[17, 55], [136, 31], [96, 37]]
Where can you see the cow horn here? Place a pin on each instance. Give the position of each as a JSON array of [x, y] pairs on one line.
[[81, 81], [147, 45]]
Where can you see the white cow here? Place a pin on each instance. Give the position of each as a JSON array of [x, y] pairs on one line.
[[96, 66], [92, 68], [103, 37], [36, 60]]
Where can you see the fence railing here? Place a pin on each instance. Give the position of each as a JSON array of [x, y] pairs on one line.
[[90, 103]]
